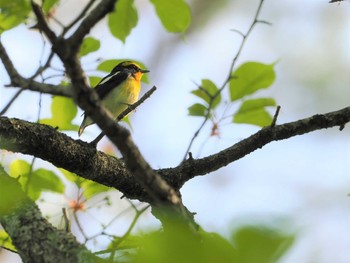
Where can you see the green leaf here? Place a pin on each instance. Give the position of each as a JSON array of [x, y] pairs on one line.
[[47, 180], [35, 182], [127, 242], [123, 19], [63, 112], [11, 193], [175, 15], [261, 245], [91, 188], [5, 241], [48, 5], [254, 112], [94, 80], [109, 64], [77, 180], [197, 110], [207, 91], [179, 244], [19, 168], [249, 78], [13, 13], [89, 45]]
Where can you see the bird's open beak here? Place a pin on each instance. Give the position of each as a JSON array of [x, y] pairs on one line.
[[144, 70]]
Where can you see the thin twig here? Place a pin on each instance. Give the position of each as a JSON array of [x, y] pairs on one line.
[[126, 112], [5, 109], [245, 36], [274, 120], [126, 234], [66, 220], [78, 18], [229, 77], [42, 24], [42, 68], [76, 219], [93, 166], [10, 68], [89, 21]]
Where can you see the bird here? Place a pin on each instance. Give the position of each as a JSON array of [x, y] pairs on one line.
[[118, 90]]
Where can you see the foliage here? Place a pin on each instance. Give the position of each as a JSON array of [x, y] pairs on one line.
[[178, 244], [13, 13], [89, 45], [34, 182], [88, 188], [5, 241], [247, 79], [123, 20], [63, 112], [247, 244], [175, 15]]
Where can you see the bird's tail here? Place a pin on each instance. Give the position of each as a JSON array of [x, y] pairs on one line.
[[84, 124], [81, 129]]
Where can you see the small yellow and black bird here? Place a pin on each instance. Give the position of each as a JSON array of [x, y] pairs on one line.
[[118, 90]]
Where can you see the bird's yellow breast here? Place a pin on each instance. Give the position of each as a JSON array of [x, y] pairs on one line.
[[123, 96]]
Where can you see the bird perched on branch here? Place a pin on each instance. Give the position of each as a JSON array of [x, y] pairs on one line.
[[118, 90]]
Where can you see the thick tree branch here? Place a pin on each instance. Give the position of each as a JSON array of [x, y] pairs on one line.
[[42, 24], [79, 157], [36, 239], [261, 138], [62, 151]]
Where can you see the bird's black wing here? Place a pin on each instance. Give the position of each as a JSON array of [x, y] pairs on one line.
[[111, 81]]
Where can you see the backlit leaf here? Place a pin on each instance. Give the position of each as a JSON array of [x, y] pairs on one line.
[[35, 182], [257, 244], [175, 15], [92, 188], [13, 13], [5, 241], [197, 110], [89, 45], [207, 91], [63, 112], [254, 112], [48, 5], [249, 78], [123, 19]]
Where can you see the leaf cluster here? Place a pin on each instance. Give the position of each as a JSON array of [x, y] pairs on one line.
[[245, 81]]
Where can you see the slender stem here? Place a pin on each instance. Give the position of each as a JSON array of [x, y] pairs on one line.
[[44, 67], [79, 225], [274, 120], [229, 77], [79, 17], [5, 109]]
